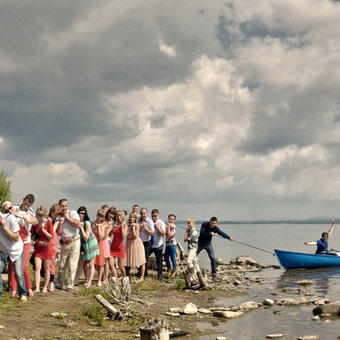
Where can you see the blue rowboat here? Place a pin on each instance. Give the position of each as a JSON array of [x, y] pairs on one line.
[[294, 260]]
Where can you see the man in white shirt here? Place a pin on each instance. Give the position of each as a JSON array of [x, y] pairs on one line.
[[70, 246], [11, 246], [157, 244], [25, 220], [146, 231]]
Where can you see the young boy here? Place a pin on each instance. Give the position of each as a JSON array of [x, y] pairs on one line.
[[191, 236]]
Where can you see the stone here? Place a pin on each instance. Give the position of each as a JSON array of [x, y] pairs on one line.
[[308, 337], [190, 309], [286, 302], [244, 260], [268, 302], [213, 309], [274, 336], [316, 318], [249, 305], [221, 338], [328, 309], [205, 311], [228, 314], [175, 310], [58, 315], [172, 314], [305, 283]]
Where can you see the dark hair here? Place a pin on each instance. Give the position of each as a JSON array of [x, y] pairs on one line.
[[324, 234], [62, 200], [173, 215], [30, 198], [213, 219], [86, 216], [113, 211], [154, 211]]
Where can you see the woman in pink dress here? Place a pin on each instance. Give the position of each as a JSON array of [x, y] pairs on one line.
[[42, 233], [119, 231], [98, 228], [134, 248], [109, 262]]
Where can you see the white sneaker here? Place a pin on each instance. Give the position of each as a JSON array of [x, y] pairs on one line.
[[23, 298]]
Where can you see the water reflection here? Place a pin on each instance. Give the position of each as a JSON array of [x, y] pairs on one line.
[[322, 278]]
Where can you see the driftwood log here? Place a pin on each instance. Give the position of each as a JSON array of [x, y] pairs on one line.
[[157, 329], [183, 253], [110, 309]]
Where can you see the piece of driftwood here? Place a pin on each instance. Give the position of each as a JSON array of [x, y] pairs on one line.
[[157, 329], [114, 289], [111, 310], [126, 289], [194, 278], [183, 253]]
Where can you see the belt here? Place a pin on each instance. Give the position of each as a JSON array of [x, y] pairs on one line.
[[69, 241]]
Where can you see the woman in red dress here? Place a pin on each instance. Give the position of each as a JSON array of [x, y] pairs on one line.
[[119, 231], [42, 234], [98, 228]]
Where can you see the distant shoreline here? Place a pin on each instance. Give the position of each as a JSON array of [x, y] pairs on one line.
[[307, 221]]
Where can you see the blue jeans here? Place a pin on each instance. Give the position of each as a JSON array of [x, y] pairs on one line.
[[210, 250], [170, 252], [19, 273]]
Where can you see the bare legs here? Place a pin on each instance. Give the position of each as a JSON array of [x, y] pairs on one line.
[[89, 272], [46, 263]]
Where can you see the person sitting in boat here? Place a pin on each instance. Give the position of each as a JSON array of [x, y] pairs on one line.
[[322, 244]]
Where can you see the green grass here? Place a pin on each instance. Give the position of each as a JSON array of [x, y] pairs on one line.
[[90, 291], [94, 312]]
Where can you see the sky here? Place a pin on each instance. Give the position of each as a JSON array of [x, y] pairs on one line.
[[198, 108]]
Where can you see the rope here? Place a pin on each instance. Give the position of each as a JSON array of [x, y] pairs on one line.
[[248, 245], [245, 244]]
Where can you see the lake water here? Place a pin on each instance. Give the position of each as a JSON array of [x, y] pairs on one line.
[[293, 321]]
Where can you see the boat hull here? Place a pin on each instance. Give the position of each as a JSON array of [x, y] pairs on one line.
[[294, 260]]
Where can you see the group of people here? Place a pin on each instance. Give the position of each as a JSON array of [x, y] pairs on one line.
[[86, 246]]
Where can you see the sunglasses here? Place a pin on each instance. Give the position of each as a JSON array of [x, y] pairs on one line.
[[8, 209]]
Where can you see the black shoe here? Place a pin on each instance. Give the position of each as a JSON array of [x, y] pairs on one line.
[[159, 278], [69, 289]]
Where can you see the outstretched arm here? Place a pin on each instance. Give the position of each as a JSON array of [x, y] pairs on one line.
[[313, 243], [331, 228]]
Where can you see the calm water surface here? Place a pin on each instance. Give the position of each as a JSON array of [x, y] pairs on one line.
[[293, 321]]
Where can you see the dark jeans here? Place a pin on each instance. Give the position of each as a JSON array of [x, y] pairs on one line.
[[170, 252], [210, 250], [147, 248], [158, 254]]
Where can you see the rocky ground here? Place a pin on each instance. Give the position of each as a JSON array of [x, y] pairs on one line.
[[69, 315]]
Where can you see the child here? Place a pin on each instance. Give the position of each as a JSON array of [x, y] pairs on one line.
[[42, 233], [191, 236], [171, 244]]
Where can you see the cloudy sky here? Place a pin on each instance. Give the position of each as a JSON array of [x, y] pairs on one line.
[[226, 108]]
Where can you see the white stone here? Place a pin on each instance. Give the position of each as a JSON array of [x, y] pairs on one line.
[[221, 338], [308, 337], [190, 309], [205, 311], [248, 305], [268, 302], [228, 315], [172, 314], [175, 310], [316, 318], [274, 336], [58, 314]]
